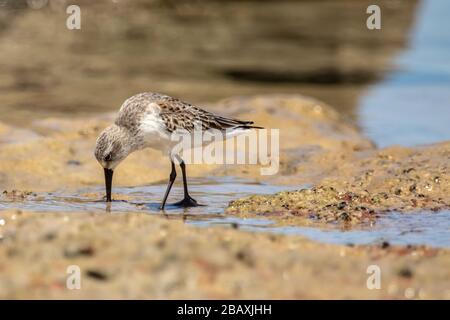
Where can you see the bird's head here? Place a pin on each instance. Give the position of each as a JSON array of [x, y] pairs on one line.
[[112, 148]]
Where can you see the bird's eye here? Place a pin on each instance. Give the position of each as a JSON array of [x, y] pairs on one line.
[[108, 157]]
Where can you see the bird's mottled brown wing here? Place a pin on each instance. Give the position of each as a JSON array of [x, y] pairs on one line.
[[180, 115]]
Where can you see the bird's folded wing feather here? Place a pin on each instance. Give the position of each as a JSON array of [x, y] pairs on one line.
[[183, 116]]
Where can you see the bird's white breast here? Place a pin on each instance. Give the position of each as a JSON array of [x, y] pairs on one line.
[[154, 130]]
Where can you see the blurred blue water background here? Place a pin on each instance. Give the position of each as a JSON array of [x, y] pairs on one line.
[[411, 106]]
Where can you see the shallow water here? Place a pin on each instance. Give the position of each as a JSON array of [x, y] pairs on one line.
[[428, 228]]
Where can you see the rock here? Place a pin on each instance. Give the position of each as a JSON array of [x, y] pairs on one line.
[[365, 185]]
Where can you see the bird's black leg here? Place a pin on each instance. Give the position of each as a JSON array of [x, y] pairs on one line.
[[173, 175], [188, 201]]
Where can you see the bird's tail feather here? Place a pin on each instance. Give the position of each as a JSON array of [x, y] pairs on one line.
[[248, 127], [236, 124]]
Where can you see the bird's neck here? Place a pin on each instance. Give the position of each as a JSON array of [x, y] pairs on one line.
[[130, 139]]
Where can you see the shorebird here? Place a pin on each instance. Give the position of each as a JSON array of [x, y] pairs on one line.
[[147, 120]]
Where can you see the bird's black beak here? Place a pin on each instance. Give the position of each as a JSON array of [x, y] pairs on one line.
[[108, 183]]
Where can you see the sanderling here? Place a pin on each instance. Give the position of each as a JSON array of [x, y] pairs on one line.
[[148, 120]]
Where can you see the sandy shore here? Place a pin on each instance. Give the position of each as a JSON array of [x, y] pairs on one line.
[[142, 256], [146, 256]]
